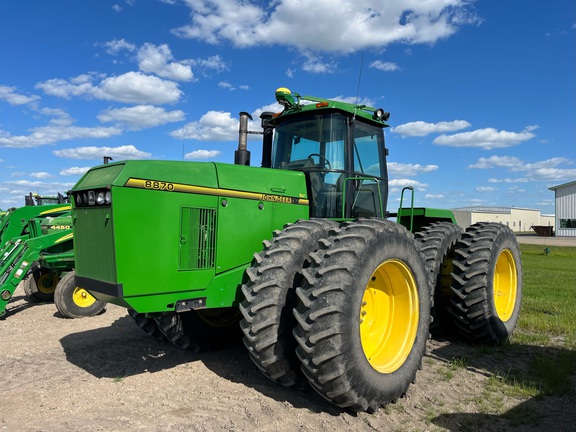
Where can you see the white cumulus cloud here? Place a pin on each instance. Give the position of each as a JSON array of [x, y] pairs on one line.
[[497, 161], [51, 134], [131, 87], [202, 154], [548, 169], [345, 25], [93, 153], [395, 168], [116, 46], [487, 139], [212, 126], [397, 184], [158, 60], [384, 66], [141, 116], [486, 189], [421, 128], [74, 171], [41, 175], [10, 95], [135, 87]]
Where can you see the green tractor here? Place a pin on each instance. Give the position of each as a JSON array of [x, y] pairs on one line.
[[300, 254], [37, 250], [14, 221]]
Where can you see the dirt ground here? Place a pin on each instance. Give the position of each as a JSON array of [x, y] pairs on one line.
[[105, 374]]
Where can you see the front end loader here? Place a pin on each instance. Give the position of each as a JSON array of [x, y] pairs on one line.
[[37, 249]]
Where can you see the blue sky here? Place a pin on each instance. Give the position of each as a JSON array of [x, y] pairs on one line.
[[482, 94]]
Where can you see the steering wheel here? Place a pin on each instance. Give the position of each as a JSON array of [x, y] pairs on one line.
[[322, 161]]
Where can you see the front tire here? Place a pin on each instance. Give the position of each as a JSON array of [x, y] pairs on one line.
[[487, 288], [202, 329], [270, 297], [148, 325], [73, 301], [364, 315]]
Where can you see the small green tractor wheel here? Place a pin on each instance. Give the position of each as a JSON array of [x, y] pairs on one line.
[[73, 301], [487, 287], [364, 315], [270, 297], [438, 243], [202, 329], [40, 284]]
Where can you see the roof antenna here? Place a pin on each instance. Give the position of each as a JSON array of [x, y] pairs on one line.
[[359, 77]]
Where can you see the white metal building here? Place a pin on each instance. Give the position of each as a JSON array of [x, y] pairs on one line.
[[519, 219], [565, 209]]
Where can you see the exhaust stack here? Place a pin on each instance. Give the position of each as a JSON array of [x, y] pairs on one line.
[[242, 155], [267, 139]]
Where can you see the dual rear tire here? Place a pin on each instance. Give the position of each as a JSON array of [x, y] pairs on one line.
[[476, 277], [363, 315], [487, 284], [364, 305], [360, 314], [270, 297]]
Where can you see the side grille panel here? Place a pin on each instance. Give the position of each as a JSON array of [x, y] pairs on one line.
[[197, 238]]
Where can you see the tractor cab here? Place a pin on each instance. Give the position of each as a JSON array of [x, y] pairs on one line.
[[340, 149]]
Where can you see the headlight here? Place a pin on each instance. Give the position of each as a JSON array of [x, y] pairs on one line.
[[98, 197], [380, 114]]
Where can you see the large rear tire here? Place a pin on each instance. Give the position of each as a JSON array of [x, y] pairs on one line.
[[270, 297], [487, 288], [40, 284], [201, 330], [438, 243], [73, 301], [364, 315]]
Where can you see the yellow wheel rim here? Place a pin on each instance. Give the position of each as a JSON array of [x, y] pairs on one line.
[[389, 316], [82, 298], [505, 285], [46, 283]]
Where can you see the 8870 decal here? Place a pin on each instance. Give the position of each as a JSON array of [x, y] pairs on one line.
[[158, 185]]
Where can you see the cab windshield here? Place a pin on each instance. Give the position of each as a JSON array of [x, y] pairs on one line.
[[344, 163]]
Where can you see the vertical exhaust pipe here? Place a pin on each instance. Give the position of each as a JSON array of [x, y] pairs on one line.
[[268, 130], [242, 155]]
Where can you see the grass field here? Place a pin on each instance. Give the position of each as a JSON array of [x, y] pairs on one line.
[[548, 314], [548, 317], [530, 381]]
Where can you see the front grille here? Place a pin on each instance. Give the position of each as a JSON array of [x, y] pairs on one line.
[[94, 244]]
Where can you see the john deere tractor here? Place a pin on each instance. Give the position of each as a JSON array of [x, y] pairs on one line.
[[301, 254]]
